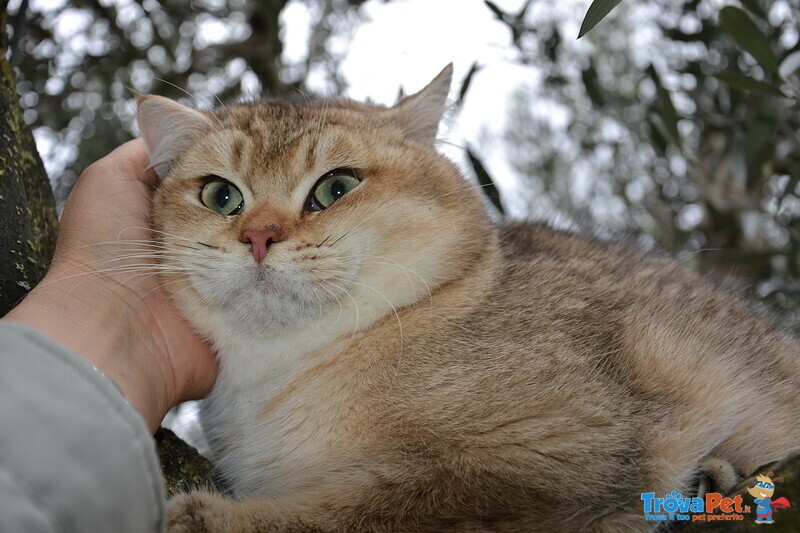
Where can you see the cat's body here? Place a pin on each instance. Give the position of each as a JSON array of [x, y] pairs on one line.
[[398, 363]]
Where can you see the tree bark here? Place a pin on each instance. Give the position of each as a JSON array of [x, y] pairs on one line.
[[28, 222], [28, 229], [184, 469]]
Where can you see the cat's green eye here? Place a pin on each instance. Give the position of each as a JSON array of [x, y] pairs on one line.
[[222, 196], [331, 187]]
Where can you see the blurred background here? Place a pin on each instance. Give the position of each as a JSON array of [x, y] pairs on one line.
[[674, 124]]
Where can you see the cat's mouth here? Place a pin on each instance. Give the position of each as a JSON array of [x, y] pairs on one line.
[[263, 277]]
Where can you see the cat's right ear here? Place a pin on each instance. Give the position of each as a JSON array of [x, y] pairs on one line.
[[168, 129], [418, 115]]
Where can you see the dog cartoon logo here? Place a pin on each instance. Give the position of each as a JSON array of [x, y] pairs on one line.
[[762, 496]]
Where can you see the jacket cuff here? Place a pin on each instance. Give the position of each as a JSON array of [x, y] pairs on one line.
[[70, 441]]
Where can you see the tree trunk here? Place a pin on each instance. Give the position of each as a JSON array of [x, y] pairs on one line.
[[28, 229], [28, 223]]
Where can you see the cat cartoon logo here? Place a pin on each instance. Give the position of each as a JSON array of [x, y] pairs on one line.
[[762, 493]]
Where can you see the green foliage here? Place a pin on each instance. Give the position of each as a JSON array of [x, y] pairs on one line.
[[499, 13], [676, 121], [467, 81], [748, 84], [597, 12], [79, 64], [678, 128], [747, 35], [485, 180]]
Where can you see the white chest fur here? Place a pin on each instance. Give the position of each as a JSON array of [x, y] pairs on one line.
[[267, 442], [268, 448]]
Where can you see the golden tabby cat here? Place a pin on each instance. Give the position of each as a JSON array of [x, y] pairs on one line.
[[392, 360]]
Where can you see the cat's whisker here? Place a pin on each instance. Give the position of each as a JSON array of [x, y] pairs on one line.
[[141, 276], [160, 232], [355, 209], [156, 255], [155, 259], [345, 234], [302, 93], [155, 251], [345, 223], [470, 187], [84, 278], [391, 262], [443, 141], [323, 116], [316, 294], [149, 267], [162, 285], [196, 100], [364, 219], [134, 244], [336, 298], [355, 306], [391, 305], [325, 240]]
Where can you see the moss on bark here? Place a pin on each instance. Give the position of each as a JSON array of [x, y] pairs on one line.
[[28, 223], [183, 467], [28, 230]]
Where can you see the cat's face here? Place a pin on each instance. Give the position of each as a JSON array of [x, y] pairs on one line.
[[276, 215]]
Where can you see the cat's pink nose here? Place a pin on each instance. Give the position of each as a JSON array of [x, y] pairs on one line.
[[261, 240]]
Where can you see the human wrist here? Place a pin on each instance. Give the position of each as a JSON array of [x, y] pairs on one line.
[[111, 332]]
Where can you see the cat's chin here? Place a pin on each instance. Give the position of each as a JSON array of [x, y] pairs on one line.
[[257, 300], [263, 280]]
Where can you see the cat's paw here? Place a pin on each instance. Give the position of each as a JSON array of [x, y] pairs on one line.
[[721, 473], [197, 512]]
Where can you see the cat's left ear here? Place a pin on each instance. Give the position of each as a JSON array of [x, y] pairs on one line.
[[168, 129], [419, 115]]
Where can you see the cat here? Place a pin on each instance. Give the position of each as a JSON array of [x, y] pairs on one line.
[[391, 359]]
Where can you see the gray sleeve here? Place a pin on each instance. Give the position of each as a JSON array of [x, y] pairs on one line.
[[75, 456]]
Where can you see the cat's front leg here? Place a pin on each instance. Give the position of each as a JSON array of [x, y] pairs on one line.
[[199, 512], [204, 512]]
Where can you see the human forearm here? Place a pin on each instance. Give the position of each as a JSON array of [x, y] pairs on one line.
[[75, 456], [95, 321]]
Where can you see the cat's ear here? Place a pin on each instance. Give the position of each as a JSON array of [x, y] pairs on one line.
[[419, 115], [168, 129]]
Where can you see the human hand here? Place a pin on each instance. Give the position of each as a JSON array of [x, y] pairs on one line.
[[103, 299]]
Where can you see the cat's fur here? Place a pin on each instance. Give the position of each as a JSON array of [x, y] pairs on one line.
[[400, 363]]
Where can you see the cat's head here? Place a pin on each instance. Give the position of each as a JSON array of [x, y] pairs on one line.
[[275, 214]]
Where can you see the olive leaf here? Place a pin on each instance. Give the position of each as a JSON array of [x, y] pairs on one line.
[[467, 81], [669, 115], [487, 184], [744, 31], [748, 84], [592, 85], [755, 8], [597, 12], [499, 13], [665, 110]]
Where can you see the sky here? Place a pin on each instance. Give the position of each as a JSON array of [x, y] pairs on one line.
[[398, 44], [396, 47]]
